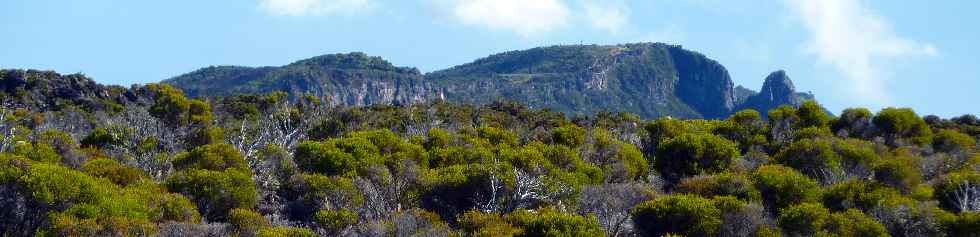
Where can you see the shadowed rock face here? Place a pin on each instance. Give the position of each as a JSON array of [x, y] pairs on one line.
[[704, 84], [777, 90], [648, 79]]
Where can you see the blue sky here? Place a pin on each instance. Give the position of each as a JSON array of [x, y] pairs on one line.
[[850, 53]]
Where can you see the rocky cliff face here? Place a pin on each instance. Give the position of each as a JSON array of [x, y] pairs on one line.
[[704, 84], [577, 80], [649, 79]]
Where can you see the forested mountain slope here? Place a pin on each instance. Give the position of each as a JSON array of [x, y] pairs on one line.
[[649, 79]]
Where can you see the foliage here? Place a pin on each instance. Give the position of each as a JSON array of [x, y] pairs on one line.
[[113, 171], [858, 195], [335, 221], [549, 222], [723, 184], [899, 173], [952, 141], [811, 115], [215, 192], [782, 186], [247, 221], [809, 219], [570, 136], [853, 122], [102, 138], [285, 232], [84, 205], [902, 123], [478, 224], [958, 192], [151, 161], [216, 157], [693, 154], [689, 215]]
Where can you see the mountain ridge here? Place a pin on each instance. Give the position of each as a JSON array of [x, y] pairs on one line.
[[648, 79]]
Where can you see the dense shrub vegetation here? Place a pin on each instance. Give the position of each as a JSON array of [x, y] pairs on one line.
[[270, 165]]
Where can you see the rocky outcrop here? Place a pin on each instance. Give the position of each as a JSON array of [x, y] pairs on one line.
[[48, 90], [777, 90]]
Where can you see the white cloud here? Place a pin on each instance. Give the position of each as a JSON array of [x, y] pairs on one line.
[[610, 16], [855, 41], [313, 7], [524, 17]]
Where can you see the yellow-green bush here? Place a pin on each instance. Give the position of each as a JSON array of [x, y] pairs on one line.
[[689, 215]]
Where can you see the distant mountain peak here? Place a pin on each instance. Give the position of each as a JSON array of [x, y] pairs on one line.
[[777, 90], [352, 61], [778, 87]]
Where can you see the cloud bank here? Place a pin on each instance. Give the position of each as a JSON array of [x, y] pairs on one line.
[[313, 7], [849, 37]]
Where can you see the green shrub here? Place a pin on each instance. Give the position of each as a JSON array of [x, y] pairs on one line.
[[216, 157], [857, 194], [900, 173], [248, 221], [102, 138], [479, 224], [37, 152], [661, 130], [781, 186], [812, 157], [335, 221], [806, 219], [811, 219], [693, 154], [85, 205], [903, 123], [723, 184], [497, 136], [954, 185], [689, 215], [855, 223], [204, 135], [952, 141], [746, 128], [324, 191], [199, 112], [347, 156], [812, 133], [169, 104], [215, 192], [811, 115], [856, 122], [285, 232], [568, 135], [113, 171], [613, 154], [963, 224], [549, 222]]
